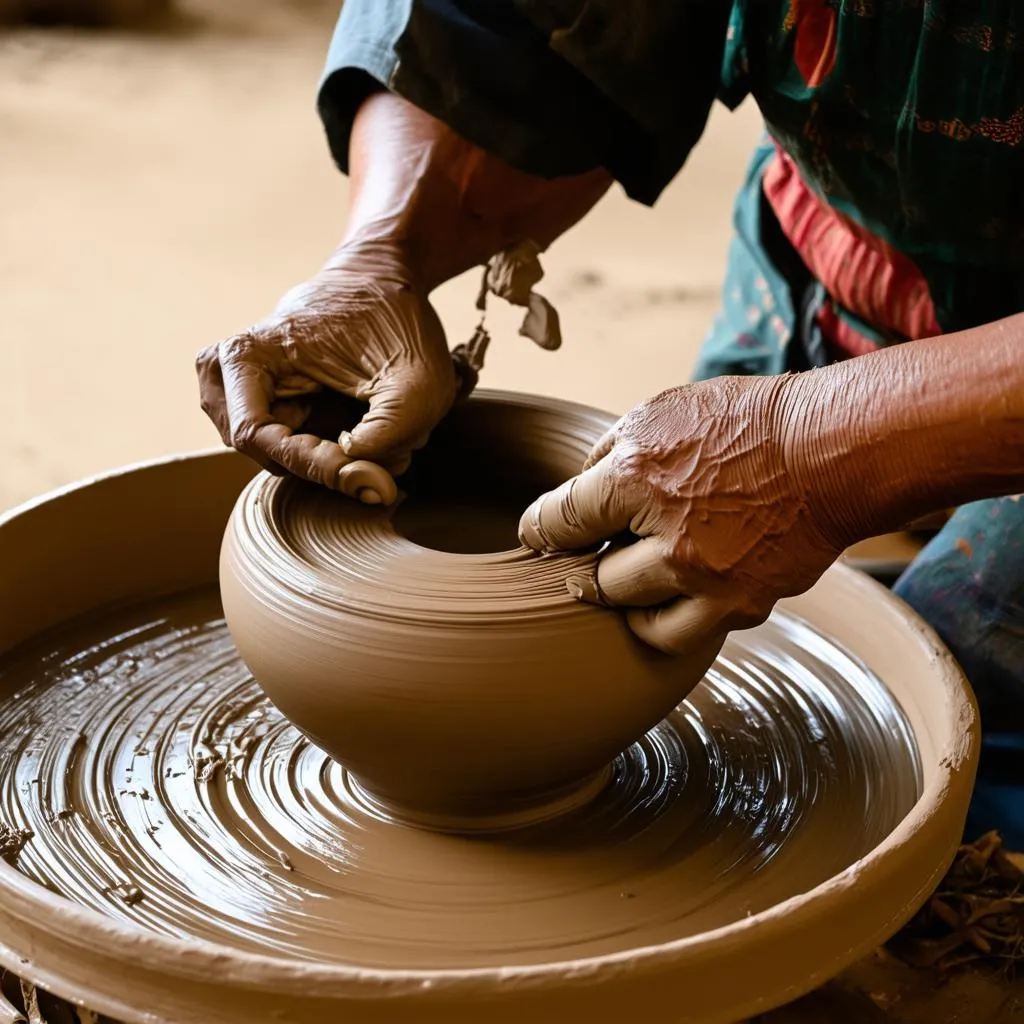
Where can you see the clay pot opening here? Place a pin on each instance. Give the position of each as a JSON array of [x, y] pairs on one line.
[[463, 524], [466, 490]]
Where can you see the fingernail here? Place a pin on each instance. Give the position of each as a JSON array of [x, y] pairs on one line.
[[529, 530], [368, 496], [345, 440], [584, 589]]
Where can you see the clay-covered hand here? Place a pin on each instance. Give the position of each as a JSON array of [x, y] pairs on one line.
[[698, 491], [360, 328]]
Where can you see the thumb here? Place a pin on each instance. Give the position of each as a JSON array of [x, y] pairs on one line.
[[604, 446], [688, 625], [583, 511], [404, 409]]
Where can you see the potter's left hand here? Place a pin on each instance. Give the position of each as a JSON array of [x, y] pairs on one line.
[[704, 479]]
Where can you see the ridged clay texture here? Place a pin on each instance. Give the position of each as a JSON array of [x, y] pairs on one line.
[[172, 794], [118, 542], [443, 664]]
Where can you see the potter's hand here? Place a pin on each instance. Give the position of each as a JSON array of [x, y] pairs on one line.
[[701, 477], [361, 329], [424, 207]]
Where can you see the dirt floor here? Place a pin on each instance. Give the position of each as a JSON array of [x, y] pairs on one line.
[[161, 190]]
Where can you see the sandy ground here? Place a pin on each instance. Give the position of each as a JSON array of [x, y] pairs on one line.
[[160, 191]]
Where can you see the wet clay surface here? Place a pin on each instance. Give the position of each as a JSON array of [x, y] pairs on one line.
[[423, 647], [163, 789]]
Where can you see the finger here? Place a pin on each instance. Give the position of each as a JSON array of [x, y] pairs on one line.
[[323, 462], [396, 467], [402, 410], [310, 458], [689, 625], [637, 575], [211, 391], [368, 482], [291, 413], [603, 447], [279, 449], [255, 431], [326, 414], [581, 512], [249, 394]]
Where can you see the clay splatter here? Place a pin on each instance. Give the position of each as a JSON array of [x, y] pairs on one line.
[[12, 842], [779, 772]]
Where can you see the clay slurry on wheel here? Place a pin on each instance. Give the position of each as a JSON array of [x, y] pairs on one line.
[[163, 789]]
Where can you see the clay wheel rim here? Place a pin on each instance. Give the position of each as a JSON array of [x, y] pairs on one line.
[[187, 959]]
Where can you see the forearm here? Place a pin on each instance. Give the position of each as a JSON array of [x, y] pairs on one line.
[[891, 436], [443, 205]]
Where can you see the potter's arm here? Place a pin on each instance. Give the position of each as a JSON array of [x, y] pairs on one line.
[[468, 126], [425, 205], [744, 490], [878, 441], [441, 205]]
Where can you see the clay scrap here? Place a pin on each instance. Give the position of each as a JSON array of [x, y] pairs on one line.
[[12, 842]]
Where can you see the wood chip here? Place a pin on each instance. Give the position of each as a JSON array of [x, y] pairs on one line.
[[975, 917]]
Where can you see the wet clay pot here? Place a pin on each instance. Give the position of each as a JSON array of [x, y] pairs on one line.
[[420, 645], [118, 542]]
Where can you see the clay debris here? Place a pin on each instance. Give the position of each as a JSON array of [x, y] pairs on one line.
[[12, 842], [975, 917], [511, 276]]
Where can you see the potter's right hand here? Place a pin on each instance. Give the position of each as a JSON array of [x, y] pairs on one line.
[[360, 328], [709, 487]]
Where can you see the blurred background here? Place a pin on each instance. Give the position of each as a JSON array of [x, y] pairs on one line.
[[162, 185]]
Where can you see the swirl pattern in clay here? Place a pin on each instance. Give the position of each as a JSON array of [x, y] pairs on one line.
[[423, 647], [162, 788]]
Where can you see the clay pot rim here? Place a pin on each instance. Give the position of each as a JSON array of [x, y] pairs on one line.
[[548, 601], [462, 606], [71, 926]]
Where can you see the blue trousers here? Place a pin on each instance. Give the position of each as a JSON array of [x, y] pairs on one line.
[[968, 584]]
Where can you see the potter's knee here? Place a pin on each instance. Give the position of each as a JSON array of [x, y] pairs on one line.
[[983, 632]]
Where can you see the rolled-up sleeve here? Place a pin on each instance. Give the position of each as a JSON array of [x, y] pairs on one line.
[[552, 87]]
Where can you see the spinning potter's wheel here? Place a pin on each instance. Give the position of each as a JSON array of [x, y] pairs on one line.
[[743, 852], [442, 663]]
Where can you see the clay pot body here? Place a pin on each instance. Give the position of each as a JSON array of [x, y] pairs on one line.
[[454, 684]]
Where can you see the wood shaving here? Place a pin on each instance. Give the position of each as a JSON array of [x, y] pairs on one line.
[[976, 916]]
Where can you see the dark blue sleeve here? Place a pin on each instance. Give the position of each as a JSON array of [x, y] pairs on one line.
[[553, 87]]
